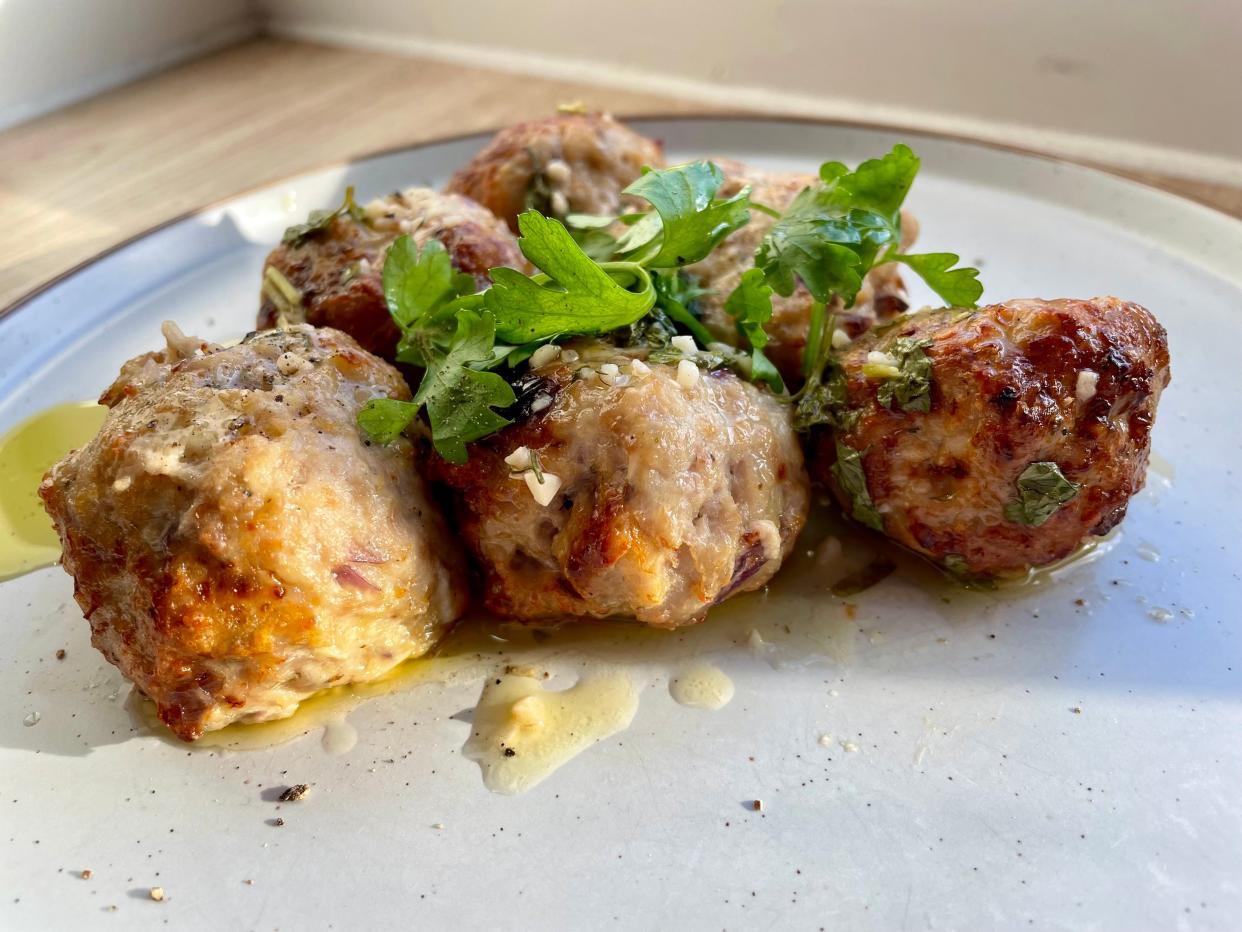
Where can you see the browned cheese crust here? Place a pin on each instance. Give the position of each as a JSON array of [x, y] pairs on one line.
[[234, 543], [568, 163], [674, 497], [883, 293], [339, 271], [1005, 394]]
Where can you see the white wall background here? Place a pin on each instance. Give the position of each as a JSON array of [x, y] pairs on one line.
[[54, 52], [1141, 83]]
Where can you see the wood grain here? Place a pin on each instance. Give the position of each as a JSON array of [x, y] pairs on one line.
[[93, 175]]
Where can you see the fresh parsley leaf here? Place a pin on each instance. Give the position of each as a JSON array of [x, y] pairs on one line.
[[750, 305], [383, 419], [689, 220], [812, 245], [849, 473], [956, 287], [879, 184], [320, 220], [574, 295], [910, 384], [459, 398], [417, 284], [1042, 489], [832, 234]]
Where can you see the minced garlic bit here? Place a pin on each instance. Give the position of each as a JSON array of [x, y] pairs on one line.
[[685, 344], [1087, 381], [541, 402], [289, 364], [586, 373], [123, 483], [877, 358], [364, 266], [687, 373], [825, 741], [156, 893], [557, 172], [542, 488], [519, 458], [840, 339], [559, 203], [438, 826], [544, 355], [638, 367]]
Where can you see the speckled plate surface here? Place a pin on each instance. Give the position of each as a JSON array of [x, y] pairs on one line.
[[1065, 755]]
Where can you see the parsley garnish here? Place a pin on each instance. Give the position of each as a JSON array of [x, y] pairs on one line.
[[446, 332], [320, 220], [688, 222], [849, 473], [910, 385], [750, 305], [574, 295], [1042, 489]]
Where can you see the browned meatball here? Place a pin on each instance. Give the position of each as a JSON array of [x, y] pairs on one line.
[[966, 474], [235, 545], [883, 293], [667, 493], [568, 163], [337, 274]]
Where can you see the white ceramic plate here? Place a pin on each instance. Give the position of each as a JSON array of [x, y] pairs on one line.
[[1016, 759]]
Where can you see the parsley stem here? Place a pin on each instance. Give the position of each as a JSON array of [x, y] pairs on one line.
[[765, 209]]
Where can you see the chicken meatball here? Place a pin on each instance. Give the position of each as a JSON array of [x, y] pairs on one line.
[[235, 545], [882, 296], [664, 491], [996, 440], [333, 277], [568, 163]]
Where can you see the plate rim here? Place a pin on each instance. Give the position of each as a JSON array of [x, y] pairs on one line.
[[737, 116]]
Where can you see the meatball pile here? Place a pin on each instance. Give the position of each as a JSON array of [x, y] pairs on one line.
[[235, 545], [1012, 390]]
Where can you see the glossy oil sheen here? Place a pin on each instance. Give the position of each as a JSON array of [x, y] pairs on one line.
[[27, 540]]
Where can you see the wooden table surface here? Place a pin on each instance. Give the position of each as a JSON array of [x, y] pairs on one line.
[[95, 174]]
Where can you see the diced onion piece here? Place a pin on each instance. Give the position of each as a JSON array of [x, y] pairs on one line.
[[543, 492], [1087, 381], [544, 355], [569, 355], [687, 374], [840, 339], [609, 368], [560, 203], [638, 367], [519, 458], [685, 344]]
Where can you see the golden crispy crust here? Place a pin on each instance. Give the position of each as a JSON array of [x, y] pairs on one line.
[[1005, 395], [233, 542], [600, 157], [339, 271]]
